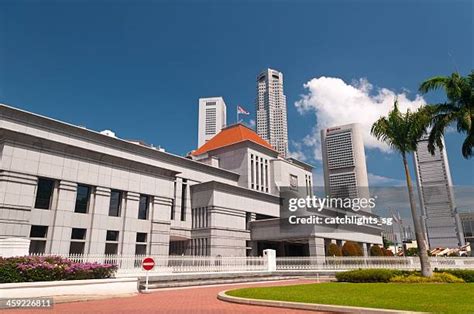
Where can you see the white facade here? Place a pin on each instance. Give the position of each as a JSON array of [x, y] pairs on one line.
[[212, 118], [70, 190], [435, 188], [345, 170], [270, 106]]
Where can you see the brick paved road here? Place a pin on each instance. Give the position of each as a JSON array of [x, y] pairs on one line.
[[180, 300]]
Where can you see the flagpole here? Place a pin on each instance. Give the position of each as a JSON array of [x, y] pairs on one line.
[[237, 108]]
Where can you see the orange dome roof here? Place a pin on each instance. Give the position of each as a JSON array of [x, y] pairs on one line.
[[231, 135]]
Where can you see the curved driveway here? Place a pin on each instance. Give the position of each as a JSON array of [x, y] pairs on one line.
[[176, 300]]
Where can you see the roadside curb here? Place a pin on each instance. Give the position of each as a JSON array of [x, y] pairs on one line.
[[308, 306]]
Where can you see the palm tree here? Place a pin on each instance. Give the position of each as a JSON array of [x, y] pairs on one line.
[[401, 131], [459, 110]]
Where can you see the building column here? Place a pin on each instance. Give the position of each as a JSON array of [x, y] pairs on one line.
[[62, 219], [159, 239], [99, 218], [366, 248], [17, 198], [316, 247], [130, 216]]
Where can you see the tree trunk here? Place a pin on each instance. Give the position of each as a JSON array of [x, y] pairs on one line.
[[420, 237]]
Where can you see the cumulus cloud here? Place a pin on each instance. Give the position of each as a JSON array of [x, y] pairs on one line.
[[335, 102]]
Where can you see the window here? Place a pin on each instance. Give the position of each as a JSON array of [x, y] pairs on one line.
[[183, 199], [141, 237], [82, 199], [293, 181], [140, 246], [44, 193], [111, 242], [79, 236], [38, 239], [115, 203], [143, 207], [77, 248], [38, 231], [112, 235]]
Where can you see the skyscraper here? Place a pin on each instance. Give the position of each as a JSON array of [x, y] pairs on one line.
[[271, 110], [212, 118], [435, 188], [345, 171]]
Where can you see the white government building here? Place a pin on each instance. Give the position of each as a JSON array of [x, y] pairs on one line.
[[73, 190]]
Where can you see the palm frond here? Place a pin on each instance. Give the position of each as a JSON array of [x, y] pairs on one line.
[[467, 146], [433, 83]]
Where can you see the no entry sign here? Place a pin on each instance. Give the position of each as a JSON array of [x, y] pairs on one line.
[[148, 263]]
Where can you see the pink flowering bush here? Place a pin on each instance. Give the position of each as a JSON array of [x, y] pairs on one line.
[[49, 268]]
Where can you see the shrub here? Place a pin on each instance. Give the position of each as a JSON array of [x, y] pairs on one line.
[[50, 268], [334, 250], [375, 250], [412, 252], [387, 252], [436, 278], [465, 274], [352, 249], [369, 275]]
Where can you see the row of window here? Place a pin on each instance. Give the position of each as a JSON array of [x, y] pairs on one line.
[[258, 173], [38, 235], [45, 190], [200, 218]]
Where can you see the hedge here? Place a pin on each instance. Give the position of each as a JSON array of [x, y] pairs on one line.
[[465, 274], [436, 278], [369, 275], [50, 268], [393, 275]]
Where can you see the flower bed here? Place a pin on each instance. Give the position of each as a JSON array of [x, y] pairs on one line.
[[50, 268]]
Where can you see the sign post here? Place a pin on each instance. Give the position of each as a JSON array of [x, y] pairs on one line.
[[148, 263]]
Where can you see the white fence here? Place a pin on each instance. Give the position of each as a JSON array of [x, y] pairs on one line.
[[347, 263], [179, 264], [207, 264]]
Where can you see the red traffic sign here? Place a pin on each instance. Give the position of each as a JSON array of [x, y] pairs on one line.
[[148, 263]]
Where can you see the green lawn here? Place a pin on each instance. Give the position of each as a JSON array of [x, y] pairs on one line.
[[437, 298]]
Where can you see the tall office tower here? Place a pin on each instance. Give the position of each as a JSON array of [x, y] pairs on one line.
[[435, 188], [212, 118], [345, 171], [270, 106]]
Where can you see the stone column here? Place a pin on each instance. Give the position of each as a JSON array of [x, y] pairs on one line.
[[365, 248], [17, 197], [316, 247], [63, 218], [100, 215], [130, 217], [160, 227]]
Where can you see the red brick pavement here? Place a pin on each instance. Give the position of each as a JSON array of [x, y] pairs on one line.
[[179, 300]]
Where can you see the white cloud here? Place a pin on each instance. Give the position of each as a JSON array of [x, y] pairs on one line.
[[376, 180], [335, 102], [252, 123]]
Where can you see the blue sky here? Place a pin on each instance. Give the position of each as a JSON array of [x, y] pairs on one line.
[[139, 67]]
